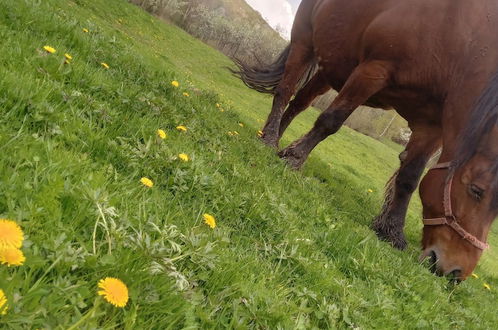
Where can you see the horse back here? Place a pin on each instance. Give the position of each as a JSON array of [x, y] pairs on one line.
[[431, 44]]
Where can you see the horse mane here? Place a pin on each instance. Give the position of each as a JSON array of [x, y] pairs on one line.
[[483, 119]]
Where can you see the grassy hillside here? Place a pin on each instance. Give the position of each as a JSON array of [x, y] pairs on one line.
[[239, 9], [290, 250]]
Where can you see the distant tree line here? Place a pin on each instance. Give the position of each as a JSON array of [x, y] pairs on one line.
[[236, 38]]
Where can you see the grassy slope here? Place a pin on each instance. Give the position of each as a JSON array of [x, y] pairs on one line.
[[290, 250], [239, 9]]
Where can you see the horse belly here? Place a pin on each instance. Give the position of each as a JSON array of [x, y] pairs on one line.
[[412, 105]]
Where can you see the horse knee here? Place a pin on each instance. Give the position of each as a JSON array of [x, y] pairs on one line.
[[409, 175], [406, 184], [297, 104], [331, 121], [403, 156]]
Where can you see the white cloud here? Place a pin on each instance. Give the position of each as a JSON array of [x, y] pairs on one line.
[[276, 12]]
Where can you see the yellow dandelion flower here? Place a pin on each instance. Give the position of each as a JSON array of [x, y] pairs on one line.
[[209, 220], [162, 134], [186, 94], [175, 83], [370, 191], [235, 133], [3, 303], [114, 291], [184, 157], [11, 234], [147, 182], [487, 286], [218, 105], [68, 57], [85, 30], [181, 128], [230, 133], [241, 125], [49, 49], [260, 133], [11, 256], [105, 65], [474, 275]]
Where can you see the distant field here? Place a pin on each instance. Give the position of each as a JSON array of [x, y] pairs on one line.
[[290, 250]]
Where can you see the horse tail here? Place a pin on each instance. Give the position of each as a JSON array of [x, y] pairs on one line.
[[265, 78]]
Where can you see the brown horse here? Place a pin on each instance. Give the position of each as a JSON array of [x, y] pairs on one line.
[[433, 61]]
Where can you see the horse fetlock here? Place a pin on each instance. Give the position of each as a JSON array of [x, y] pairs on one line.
[[270, 138]]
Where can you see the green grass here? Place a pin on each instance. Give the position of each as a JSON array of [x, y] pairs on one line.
[[291, 249]]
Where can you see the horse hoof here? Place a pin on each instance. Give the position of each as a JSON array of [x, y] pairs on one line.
[[395, 237], [399, 243], [291, 158]]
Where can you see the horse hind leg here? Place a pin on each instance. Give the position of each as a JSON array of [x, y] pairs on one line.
[[366, 80], [315, 87], [389, 224], [297, 63]]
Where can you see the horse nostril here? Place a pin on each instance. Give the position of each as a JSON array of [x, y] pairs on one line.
[[454, 275], [433, 257]]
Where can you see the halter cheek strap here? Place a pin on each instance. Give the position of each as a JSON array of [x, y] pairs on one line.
[[449, 218]]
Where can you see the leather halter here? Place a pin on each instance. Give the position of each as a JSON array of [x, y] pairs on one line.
[[449, 218]]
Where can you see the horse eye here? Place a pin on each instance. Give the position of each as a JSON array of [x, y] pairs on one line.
[[476, 191]]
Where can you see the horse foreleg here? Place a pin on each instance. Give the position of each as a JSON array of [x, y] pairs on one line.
[[295, 66], [315, 87], [365, 81], [389, 225]]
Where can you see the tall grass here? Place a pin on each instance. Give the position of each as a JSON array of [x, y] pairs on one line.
[[290, 250]]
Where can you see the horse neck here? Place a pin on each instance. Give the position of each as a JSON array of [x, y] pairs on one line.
[[457, 110]]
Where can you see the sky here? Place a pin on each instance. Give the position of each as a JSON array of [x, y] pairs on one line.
[[277, 12]]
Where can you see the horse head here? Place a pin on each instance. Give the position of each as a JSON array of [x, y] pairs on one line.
[[460, 198]]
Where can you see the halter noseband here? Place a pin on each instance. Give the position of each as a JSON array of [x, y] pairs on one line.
[[449, 218]]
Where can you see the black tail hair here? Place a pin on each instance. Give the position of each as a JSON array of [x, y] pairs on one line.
[[265, 78]]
